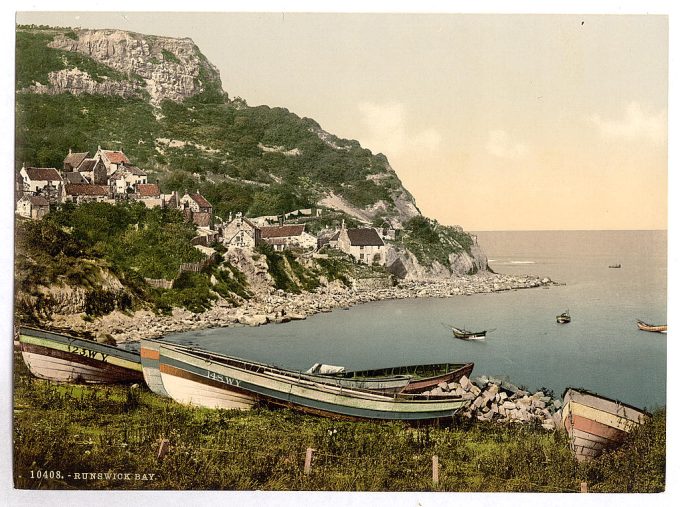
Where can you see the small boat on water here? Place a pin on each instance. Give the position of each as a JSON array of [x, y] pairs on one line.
[[63, 358], [563, 318], [595, 423], [422, 377], [217, 381], [654, 328], [464, 334]]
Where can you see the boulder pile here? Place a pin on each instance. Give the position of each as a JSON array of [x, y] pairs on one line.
[[499, 401]]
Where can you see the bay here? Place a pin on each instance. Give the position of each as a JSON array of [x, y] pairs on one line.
[[601, 349]]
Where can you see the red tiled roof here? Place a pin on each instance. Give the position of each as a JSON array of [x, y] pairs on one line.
[[75, 159], [148, 190], [364, 237], [115, 157], [85, 189], [87, 165], [43, 174], [200, 200], [282, 231]]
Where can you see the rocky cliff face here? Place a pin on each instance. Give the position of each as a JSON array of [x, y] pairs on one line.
[[405, 265], [164, 67]]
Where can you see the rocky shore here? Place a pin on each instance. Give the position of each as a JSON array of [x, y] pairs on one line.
[[279, 307]]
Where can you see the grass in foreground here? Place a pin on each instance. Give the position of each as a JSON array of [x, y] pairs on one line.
[[82, 430]]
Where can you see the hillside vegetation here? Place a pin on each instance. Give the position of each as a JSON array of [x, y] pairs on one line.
[[278, 160]]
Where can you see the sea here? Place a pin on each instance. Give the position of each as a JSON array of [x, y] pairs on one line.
[[601, 349]]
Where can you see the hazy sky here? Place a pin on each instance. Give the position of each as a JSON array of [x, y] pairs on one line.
[[493, 122]]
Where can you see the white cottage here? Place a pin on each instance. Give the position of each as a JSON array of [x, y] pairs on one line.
[[41, 179], [33, 206], [364, 245], [286, 236], [241, 232]]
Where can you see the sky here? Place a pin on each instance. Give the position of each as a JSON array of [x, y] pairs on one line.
[[492, 121]]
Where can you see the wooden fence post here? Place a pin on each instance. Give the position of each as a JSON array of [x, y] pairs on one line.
[[163, 448], [308, 460], [435, 469], [584, 487]]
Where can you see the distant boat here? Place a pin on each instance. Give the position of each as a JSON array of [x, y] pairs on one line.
[[615, 265], [661, 328], [218, 381], [422, 376], [465, 334], [63, 358], [564, 318], [595, 423]]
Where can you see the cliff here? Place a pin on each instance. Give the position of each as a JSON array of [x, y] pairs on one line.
[[161, 101]]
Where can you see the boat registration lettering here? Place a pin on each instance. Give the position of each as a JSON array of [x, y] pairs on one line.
[[92, 354], [224, 379]]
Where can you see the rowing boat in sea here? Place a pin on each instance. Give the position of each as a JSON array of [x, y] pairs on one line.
[[595, 423], [217, 381], [464, 334], [422, 376], [63, 358], [654, 328], [564, 318]]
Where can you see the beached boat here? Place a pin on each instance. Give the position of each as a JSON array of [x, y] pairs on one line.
[[63, 358], [150, 355], [218, 381], [595, 423], [422, 376], [564, 318], [654, 328]]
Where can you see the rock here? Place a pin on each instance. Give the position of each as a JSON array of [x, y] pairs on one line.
[[557, 403], [508, 405], [465, 383], [502, 396], [475, 390], [443, 386], [253, 320], [538, 404], [105, 338]]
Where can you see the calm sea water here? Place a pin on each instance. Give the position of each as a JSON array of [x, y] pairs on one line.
[[601, 349]]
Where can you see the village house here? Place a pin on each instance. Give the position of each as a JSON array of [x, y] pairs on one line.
[[33, 206], [73, 161], [241, 232], [287, 236], [149, 194], [94, 170], [363, 244], [124, 179], [195, 207], [73, 177], [112, 159], [45, 181], [86, 192]]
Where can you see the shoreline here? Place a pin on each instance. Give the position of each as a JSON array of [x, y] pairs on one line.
[[280, 307]]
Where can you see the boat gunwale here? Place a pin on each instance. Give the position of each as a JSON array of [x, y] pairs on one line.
[[288, 377]]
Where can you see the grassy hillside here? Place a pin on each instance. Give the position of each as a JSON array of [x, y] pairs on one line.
[[274, 157]]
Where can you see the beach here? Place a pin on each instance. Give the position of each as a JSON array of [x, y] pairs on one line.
[[276, 306]]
